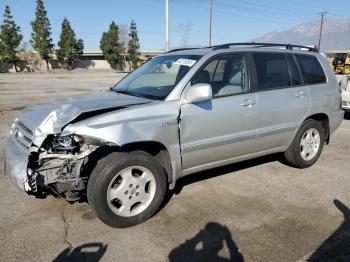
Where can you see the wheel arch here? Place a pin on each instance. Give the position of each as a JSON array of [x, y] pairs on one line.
[[156, 149], [324, 119]]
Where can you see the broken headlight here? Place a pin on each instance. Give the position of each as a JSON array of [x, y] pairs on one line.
[[67, 143]]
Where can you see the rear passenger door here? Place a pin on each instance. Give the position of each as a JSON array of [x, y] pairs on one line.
[[283, 99]]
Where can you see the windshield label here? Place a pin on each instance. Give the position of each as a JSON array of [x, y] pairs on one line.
[[185, 62]]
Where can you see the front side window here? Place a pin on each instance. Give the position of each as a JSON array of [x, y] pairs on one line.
[[311, 69], [272, 71], [156, 78], [227, 75]]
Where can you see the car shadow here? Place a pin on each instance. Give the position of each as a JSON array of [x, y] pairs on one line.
[[206, 245], [219, 171], [215, 172], [337, 246], [85, 252]]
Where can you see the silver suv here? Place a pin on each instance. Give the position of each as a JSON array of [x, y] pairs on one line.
[[181, 112]]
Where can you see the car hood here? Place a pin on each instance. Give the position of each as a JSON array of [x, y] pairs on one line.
[[51, 117]]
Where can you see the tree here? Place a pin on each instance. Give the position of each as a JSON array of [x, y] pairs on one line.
[[41, 40], [133, 45], [10, 38], [69, 47], [112, 48], [2, 47]]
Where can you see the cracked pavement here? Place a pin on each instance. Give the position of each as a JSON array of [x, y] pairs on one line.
[[260, 210], [66, 228]]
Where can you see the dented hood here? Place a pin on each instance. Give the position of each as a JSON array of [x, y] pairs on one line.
[[51, 117]]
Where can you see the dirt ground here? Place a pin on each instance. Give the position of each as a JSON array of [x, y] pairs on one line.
[[258, 210]]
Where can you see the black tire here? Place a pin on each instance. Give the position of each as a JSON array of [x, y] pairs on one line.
[[293, 157], [104, 172]]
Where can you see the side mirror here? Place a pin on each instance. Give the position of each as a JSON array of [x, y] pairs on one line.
[[198, 93]]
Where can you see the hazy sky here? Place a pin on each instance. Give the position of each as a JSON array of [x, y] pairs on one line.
[[233, 20]]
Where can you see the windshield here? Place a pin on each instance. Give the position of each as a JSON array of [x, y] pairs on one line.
[[156, 78]]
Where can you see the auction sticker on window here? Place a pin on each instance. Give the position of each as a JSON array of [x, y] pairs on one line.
[[185, 62]]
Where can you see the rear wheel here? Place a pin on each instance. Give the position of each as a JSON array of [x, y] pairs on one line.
[[307, 145], [126, 189]]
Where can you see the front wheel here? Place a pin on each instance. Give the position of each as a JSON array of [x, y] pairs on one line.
[[307, 145], [126, 189]]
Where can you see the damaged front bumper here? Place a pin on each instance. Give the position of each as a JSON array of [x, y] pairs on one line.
[[45, 172], [16, 162]]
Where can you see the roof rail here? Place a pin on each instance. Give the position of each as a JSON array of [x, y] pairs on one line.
[[182, 49], [287, 46]]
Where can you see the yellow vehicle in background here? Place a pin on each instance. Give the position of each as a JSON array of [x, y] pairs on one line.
[[330, 57], [340, 61]]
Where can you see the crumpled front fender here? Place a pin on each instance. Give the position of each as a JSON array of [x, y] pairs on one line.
[[149, 123]]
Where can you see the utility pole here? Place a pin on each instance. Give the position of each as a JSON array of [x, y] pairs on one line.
[[321, 27], [167, 26], [210, 20]]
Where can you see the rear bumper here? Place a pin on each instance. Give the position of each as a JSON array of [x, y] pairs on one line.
[[16, 162], [336, 120]]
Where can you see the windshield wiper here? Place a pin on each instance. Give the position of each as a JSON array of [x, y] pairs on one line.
[[147, 96], [122, 92]]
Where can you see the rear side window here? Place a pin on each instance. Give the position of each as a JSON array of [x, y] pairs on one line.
[[272, 70], [311, 69]]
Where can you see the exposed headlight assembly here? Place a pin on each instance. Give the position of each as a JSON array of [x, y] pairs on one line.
[[67, 143]]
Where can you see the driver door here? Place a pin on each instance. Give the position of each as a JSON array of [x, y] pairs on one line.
[[216, 132]]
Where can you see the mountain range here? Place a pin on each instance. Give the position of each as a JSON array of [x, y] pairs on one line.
[[336, 35]]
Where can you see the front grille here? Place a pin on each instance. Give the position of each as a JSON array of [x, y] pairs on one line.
[[20, 124], [23, 135]]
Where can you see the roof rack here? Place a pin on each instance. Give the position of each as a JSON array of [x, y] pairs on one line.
[[182, 49], [287, 46]]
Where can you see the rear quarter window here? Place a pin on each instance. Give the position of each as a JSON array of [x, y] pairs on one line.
[[311, 69]]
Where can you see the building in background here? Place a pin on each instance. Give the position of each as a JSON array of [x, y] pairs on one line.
[[91, 60]]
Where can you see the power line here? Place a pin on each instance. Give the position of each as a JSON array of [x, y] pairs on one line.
[[249, 13], [265, 12], [282, 8]]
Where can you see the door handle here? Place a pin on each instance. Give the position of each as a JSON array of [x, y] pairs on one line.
[[248, 103], [300, 94]]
